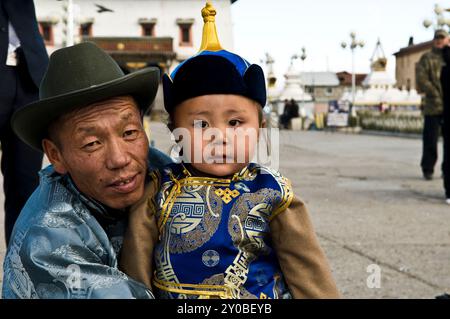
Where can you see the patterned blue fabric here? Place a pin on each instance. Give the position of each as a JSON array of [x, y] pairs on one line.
[[240, 63], [215, 235], [65, 245]]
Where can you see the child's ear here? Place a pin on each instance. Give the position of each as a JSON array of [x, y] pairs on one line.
[[264, 123]]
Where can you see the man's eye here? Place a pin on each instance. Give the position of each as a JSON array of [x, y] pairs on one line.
[[200, 124], [234, 122], [130, 134], [91, 145]]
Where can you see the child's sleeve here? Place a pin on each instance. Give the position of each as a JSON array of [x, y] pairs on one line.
[[302, 260], [136, 258]]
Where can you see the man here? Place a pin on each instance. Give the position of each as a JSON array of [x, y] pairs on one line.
[[428, 72], [445, 82], [23, 60], [89, 124]]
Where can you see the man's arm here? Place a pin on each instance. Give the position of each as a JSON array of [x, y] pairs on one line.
[[136, 259], [66, 262], [302, 261]]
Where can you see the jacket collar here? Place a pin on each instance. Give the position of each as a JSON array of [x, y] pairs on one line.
[[49, 176], [437, 51]]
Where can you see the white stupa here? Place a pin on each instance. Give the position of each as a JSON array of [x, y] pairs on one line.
[[293, 86], [378, 78], [379, 86]]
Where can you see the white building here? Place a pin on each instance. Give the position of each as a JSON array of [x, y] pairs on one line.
[[177, 23], [323, 86]]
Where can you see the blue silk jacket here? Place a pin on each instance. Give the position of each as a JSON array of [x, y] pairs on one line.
[[65, 245], [214, 234]]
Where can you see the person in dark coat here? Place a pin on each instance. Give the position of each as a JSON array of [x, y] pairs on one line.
[[445, 82], [428, 71], [290, 111], [284, 120], [23, 61]]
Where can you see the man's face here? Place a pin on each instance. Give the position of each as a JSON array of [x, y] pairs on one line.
[[441, 42], [103, 147]]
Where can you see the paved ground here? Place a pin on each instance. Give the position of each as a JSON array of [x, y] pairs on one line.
[[369, 205]]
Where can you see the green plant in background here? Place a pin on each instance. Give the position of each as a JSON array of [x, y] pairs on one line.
[[391, 122], [353, 121]]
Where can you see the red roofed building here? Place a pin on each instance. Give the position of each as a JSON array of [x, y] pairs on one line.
[[345, 79]]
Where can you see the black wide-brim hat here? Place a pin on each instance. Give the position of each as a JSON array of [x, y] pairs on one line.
[[78, 76]]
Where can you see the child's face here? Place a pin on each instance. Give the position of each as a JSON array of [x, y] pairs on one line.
[[226, 132]]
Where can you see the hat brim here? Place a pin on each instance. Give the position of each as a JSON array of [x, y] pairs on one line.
[[31, 122]]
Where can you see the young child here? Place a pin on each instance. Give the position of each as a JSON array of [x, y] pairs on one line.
[[220, 228]]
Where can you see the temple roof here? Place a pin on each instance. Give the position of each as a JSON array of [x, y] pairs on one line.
[[319, 79], [414, 48]]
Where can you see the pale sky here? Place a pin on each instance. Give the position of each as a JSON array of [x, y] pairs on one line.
[[282, 27]]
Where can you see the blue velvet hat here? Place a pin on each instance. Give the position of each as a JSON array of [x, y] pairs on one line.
[[213, 71]]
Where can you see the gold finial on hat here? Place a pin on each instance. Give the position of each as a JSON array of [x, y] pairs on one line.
[[210, 40]]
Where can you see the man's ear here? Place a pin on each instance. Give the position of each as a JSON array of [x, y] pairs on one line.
[[54, 156]]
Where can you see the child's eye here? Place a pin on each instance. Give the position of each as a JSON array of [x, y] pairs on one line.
[[200, 124], [234, 122]]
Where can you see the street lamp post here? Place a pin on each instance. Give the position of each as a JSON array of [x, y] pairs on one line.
[[353, 44], [68, 19], [302, 57], [440, 21]]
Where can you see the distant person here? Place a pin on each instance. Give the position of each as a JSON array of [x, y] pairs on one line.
[[290, 111], [283, 117], [294, 109], [428, 72], [445, 82], [23, 61]]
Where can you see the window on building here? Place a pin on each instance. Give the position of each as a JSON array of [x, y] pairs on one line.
[[86, 29], [329, 91], [185, 34], [46, 30], [148, 29]]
